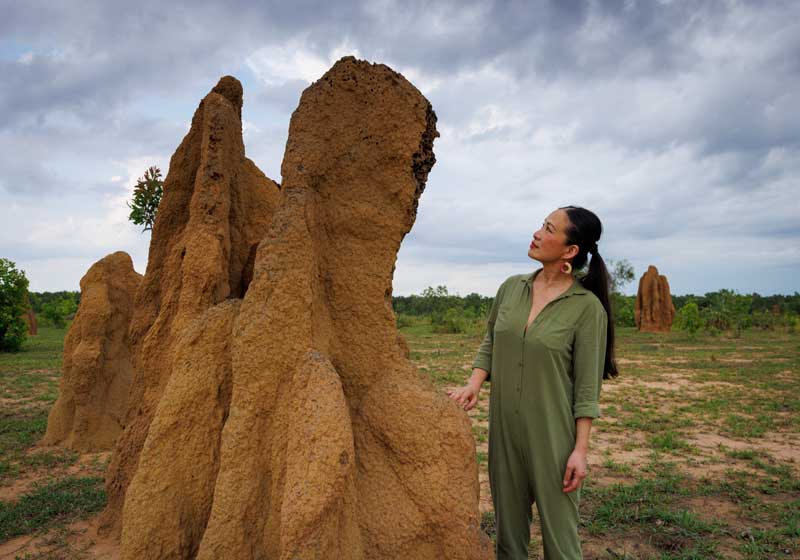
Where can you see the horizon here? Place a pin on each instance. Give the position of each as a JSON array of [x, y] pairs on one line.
[[630, 291]]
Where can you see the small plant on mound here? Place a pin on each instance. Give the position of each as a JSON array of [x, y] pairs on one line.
[[146, 198]]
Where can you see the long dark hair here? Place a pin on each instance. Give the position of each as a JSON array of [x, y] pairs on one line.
[[584, 231]]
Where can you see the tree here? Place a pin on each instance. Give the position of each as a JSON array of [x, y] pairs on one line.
[[688, 318], [146, 198], [13, 289], [623, 306], [621, 272], [57, 311]]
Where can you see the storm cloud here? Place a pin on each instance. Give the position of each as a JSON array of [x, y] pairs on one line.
[[675, 121]]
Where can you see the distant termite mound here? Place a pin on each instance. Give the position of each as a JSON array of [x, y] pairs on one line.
[[30, 317], [97, 369], [654, 310]]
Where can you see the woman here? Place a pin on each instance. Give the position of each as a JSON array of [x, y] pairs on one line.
[[548, 346]]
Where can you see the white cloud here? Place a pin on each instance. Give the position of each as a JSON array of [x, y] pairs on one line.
[[275, 65], [413, 276]]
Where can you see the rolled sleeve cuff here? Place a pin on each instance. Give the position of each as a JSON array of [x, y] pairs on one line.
[[483, 363], [586, 410]]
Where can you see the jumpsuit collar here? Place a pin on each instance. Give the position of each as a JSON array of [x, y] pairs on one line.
[[575, 288]]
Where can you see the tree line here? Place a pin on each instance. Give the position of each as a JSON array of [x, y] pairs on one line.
[[722, 310]]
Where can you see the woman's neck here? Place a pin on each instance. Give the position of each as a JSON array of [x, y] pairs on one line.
[[551, 275]]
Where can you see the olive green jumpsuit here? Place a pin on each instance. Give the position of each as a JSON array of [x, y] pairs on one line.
[[542, 379]]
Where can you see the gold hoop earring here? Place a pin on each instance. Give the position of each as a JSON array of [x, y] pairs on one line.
[[566, 267]]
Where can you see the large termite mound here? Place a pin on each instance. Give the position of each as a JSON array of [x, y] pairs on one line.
[[216, 205], [654, 310], [97, 370], [290, 424]]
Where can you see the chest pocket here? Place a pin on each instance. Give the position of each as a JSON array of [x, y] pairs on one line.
[[503, 320], [556, 335]]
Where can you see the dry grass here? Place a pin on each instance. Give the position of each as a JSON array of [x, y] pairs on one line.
[[696, 454]]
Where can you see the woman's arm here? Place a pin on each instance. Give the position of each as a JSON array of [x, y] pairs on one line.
[[577, 464], [588, 360], [583, 427], [467, 396]]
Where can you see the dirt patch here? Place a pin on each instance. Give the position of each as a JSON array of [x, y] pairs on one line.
[[711, 508], [698, 348], [74, 541], [7, 403], [675, 360], [17, 546], [781, 449], [19, 486], [596, 548], [99, 547], [673, 385], [629, 362]]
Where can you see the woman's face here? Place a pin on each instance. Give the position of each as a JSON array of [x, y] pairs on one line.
[[550, 240]]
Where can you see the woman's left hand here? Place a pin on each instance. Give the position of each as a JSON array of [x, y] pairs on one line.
[[575, 472]]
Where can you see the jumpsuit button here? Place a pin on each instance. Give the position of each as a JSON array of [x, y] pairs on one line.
[[519, 364]]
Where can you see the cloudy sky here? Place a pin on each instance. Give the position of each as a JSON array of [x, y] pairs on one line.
[[677, 122]]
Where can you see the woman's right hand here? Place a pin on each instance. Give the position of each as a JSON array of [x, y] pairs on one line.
[[466, 396]]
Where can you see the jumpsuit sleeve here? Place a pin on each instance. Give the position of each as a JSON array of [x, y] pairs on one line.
[[588, 361], [483, 359]]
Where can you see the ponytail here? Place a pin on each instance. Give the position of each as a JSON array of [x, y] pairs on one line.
[[584, 231], [598, 281]]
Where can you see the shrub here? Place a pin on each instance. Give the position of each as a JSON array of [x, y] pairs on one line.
[[404, 320], [13, 289], [456, 321], [727, 310], [688, 318], [57, 312], [622, 309]]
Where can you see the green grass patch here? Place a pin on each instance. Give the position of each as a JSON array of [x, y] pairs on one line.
[[481, 433], [449, 377], [650, 505], [54, 502], [647, 419], [20, 430], [50, 459], [670, 442], [748, 426], [617, 468], [40, 352]]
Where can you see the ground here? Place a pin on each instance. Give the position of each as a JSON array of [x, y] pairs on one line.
[[696, 454]]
